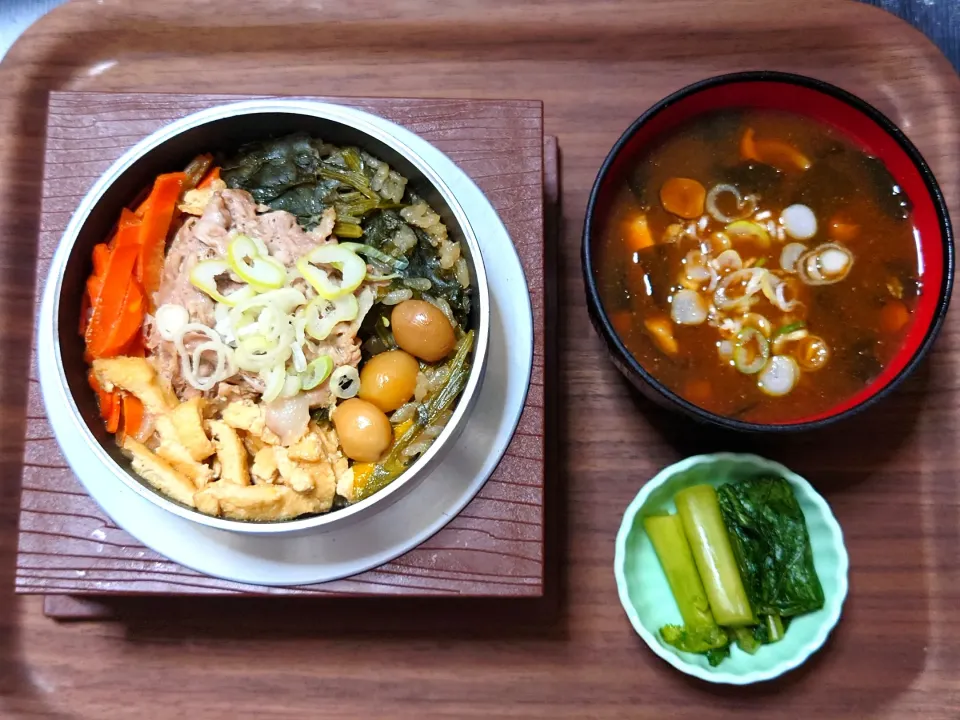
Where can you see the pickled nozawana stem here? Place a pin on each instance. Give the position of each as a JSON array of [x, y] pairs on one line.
[[673, 550], [700, 512], [775, 628]]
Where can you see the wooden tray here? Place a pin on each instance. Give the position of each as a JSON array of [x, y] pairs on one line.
[[494, 547], [891, 476]]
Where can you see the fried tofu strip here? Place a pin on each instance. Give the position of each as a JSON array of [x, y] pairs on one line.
[[184, 425], [230, 452], [156, 471], [136, 376], [330, 446], [264, 468], [255, 502], [180, 459], [314, 478], [245, 415]]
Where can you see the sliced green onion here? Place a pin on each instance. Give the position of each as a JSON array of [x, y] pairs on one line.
[[792, 327], [748, 230], [253, 266], [273, 379], [351, 266], [317, 371], [322, 315], [747, 360], [258, 352], [204, 275], [291, 386], [237, 296]]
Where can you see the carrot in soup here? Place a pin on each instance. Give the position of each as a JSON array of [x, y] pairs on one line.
[[894, 316], [661, 331], [636, 233], [781, 155], [683, 197], [842, 229]]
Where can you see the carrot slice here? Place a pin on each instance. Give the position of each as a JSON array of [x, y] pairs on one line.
[[894, 316], [637, 233], [110, 301], [132, 414], [683, 197], [157, 217], [748, 150], [113, 421], [128, 323], [208, 180], [782, 155], [841, 229], [136, 347], [94, 285], [101, 253]]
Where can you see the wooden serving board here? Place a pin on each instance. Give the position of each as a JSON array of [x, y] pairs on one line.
[[892, 477], [494, 547]]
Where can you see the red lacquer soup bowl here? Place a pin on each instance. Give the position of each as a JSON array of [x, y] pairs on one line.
[[860, 124]]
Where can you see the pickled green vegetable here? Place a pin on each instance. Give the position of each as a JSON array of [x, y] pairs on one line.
[[771, 545], [673, 550], [703, 525]]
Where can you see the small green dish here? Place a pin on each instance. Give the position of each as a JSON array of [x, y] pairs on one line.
[[649, 603]]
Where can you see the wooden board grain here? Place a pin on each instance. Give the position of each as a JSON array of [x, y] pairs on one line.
[[494, 547], [891, 476]]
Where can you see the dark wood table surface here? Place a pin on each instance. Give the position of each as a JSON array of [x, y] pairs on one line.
[[892, 476]]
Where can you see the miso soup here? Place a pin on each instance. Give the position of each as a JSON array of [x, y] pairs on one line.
[[760, 265]]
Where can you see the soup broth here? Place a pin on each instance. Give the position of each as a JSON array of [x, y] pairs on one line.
[[760, 265]]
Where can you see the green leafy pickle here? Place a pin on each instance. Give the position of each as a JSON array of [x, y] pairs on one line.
[[772, 546]]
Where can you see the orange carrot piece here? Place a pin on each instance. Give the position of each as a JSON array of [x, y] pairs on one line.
[[841, 229], [101, 253], [157, 217], [132, 414], [780, 154], [127, 324], [136, 347], [110, 301], [637, 233], [113, 421], [683, 196], [208, 180], [94, 285], [894, 316], [748, 150]]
